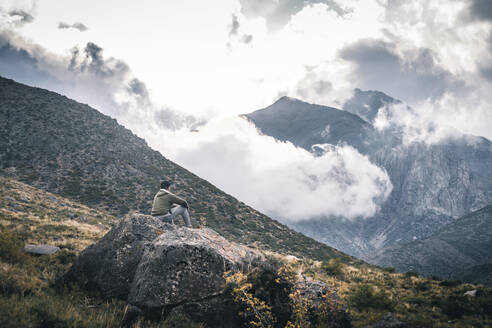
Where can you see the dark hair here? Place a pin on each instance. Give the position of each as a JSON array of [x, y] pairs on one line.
[[165, 184]]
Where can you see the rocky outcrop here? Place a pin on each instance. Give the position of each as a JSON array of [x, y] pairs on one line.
[[158, 267]]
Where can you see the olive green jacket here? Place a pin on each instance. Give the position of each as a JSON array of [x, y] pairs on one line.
[[163, 202]]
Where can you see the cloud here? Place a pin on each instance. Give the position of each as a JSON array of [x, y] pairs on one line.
[[247, 38], [234, 25], [413, 75], [16, 14], [23, 16], [78, 26], [313, 86], [107, 84], [481, 10], [236, 33], [276, 177], [279, 12]]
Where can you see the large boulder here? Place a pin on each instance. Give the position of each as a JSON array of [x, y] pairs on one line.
[[187, 265], [158, 267], [111, 263]]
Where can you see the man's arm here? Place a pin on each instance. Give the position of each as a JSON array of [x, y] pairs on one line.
[[178, 200]]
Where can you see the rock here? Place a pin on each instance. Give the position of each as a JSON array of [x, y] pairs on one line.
[[24, 199], [316, 294], [158, 267], [82, 219], [471, 293], [100, 226], [13, 205], [111, 263], [41, 249], [388, 321], [187, 265]]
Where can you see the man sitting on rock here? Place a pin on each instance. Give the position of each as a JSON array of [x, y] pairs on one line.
[[167, 205]]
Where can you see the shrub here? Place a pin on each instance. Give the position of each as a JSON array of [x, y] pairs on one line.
[[422, 286], [411, 274], [389, 269], [333, 267], [365, 297], [11, 244], [18, 281], [450, 283], [456, 306]]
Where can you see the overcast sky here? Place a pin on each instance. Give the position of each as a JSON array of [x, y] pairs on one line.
[[160, 67]]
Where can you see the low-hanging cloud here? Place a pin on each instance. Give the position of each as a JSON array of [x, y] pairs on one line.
[[77, 25], [276, 177]]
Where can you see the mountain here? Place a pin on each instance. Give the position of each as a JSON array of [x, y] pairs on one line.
[[305, 125], [433, 184], [458, 250], [62, 146]]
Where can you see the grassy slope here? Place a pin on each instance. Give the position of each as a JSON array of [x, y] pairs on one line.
[[28, 297]]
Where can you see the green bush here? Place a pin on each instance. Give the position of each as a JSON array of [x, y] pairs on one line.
[[450, 283], [411, 274], [389, 270], [422, 286], [11, 246], [333, 267], [457, 306], [365, 297]]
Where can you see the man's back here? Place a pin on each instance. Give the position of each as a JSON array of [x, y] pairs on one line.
[[163, 202]]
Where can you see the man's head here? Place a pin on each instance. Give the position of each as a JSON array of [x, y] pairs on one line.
[[165, 184]]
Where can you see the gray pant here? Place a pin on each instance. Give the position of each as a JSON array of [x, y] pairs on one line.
[[175, 211]]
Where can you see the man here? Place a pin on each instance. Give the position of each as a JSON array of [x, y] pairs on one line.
[[164, 209]]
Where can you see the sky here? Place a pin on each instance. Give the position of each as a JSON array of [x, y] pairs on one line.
[[178, 73]]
